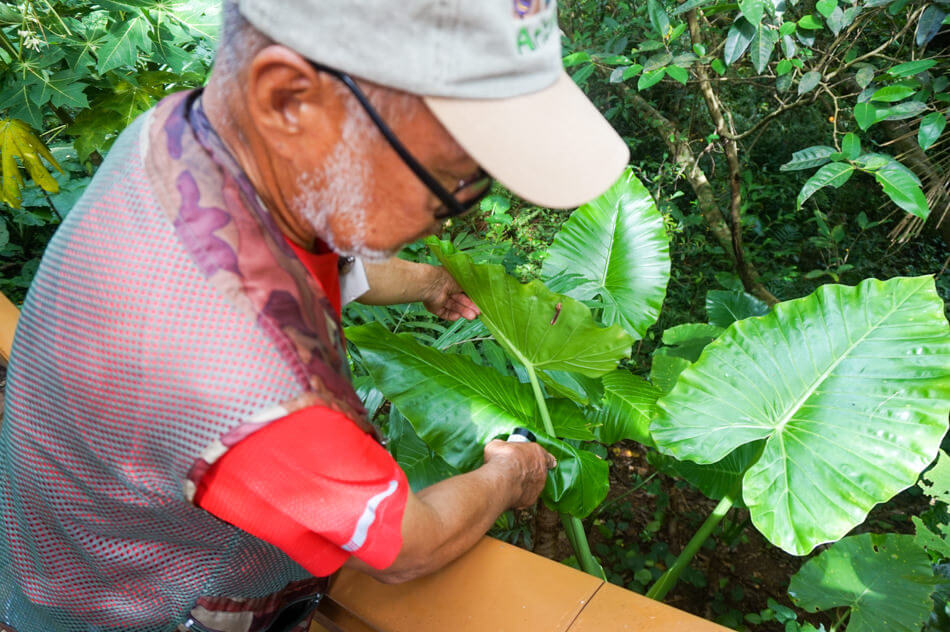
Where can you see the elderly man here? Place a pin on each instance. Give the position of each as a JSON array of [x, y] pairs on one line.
[[182, 447]]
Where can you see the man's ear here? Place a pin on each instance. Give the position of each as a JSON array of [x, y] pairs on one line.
[[294, 107]]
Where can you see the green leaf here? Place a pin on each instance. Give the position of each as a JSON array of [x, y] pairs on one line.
[[911, 68], [724, 307], [422, 466], [809, 23], [666, 369], [123, 44], [931, 127], [825, 7], [783, 67], [62, 89], [689, 5], [718, 66], [762, 46], [867, 114], [864, 76], [650, 78], [575, 58], [617, 248], [632, 71], [5, 235], [787, 29], [838, 384], [718, 479], [926, 538], [809, 81], [890, 94], [737, 40], [831, 175], [935, 482], [18, 103], [457, 406], [540, 329], [851, 146], [836, 21], [902, 186], [813, 156], [678, 74], [658, 18], [688, 340], [752, 10], [886, 581], [629, 405], [929, 24]]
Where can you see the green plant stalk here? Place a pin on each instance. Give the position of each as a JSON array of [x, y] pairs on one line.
[[666, 582], [572, 524]]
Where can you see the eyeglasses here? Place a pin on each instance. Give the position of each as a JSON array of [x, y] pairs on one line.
[[466, 195]]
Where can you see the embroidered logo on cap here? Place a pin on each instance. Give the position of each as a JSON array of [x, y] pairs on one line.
[[537, 21]]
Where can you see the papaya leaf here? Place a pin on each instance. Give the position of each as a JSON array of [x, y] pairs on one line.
[[837, 383], [124, 43], [17, 141], [540, 329], [617, 250], [886, 581], [457, 406]]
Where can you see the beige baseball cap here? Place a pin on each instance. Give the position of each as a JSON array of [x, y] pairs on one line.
[[490, 71]]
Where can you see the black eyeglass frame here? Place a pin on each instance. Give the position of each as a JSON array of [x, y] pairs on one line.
[[453, 207]]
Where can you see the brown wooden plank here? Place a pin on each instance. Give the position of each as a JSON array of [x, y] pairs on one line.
[[614, 609], [495, 586], [9, 315]]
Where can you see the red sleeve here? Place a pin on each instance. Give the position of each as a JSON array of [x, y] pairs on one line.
[[315, 486]]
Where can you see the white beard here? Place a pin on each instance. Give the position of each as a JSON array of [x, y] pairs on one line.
[[343, 194]]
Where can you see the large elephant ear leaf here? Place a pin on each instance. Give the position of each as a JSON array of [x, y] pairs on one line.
[[886, 581], [456, 406], [850, 389], [540, 329], [615, 249]]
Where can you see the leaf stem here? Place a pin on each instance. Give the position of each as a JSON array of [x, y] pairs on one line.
[[572, 524], [666, 582]]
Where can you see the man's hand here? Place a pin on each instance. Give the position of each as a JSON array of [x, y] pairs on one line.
[[397, 281], [444, 298], [443, 521], [527, 466]]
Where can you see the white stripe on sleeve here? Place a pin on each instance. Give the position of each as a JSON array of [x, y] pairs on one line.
[[368, 517]]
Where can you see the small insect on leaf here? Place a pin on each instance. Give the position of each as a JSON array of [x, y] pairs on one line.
[[557, 312]]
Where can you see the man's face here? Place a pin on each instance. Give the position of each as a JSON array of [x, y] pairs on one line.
[[362, 199]]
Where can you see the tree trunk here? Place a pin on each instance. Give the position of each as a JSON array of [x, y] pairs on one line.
[[688, 162], [546, 529]]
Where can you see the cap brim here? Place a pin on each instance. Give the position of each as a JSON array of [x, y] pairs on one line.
[[552, 147]]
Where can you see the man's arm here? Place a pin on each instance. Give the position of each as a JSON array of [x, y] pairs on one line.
[[443, 521], [397, 281]]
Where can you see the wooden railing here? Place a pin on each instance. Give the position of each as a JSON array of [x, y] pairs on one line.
[[496, 586]]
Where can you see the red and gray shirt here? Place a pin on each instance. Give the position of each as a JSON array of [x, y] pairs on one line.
[[181, 443]]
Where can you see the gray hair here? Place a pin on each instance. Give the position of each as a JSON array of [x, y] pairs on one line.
[[240, 41]]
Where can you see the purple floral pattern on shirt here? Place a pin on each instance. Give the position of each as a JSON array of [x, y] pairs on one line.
[[237, 245]]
